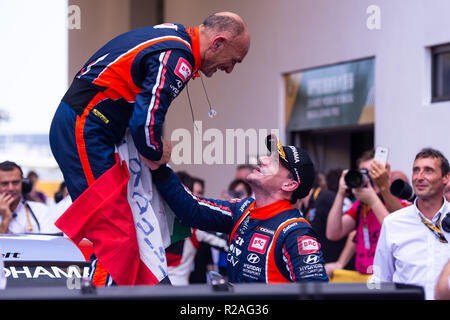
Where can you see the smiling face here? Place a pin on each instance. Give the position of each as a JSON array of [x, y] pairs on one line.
[[428, 181], [224, 53], [269, 175]]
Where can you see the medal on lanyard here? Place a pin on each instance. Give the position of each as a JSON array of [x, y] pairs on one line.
[[366, 234]]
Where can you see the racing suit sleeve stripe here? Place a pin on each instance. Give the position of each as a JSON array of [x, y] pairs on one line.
[[212, 205], [154, 103], [118, 72], [288, 262], [200, 213]]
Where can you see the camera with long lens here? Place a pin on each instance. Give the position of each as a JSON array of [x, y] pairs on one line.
[[357, 178], [446, 223], [27, 186], [402, 190]]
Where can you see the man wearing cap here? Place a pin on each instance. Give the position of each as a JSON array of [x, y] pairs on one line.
[[269, 239]]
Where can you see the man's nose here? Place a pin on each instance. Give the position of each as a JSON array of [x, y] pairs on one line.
[[229, 69], [264, 160], [419, 175]]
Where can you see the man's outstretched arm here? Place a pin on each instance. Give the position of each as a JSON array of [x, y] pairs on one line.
[[193, 211]]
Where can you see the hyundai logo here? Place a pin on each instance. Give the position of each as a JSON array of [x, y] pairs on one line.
[[253, 258], [311, 259]]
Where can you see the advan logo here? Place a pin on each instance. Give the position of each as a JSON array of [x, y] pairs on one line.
[[307, 245], [183, 69], [259, 243]]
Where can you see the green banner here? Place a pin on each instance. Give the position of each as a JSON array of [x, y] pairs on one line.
[[331, 97]]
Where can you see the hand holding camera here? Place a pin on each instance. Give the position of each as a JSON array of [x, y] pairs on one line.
[[343, 188], [360, 182], [356, 178], [366, 194]]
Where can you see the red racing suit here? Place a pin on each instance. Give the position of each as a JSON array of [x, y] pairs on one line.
[[271, 244]]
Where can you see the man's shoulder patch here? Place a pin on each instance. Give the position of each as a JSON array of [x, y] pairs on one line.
[[183, 69]]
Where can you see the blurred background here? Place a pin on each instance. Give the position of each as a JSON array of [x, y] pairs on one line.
[[335, 77]]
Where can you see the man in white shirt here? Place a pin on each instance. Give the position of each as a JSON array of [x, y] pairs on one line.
[[413, 246], [16, 214]]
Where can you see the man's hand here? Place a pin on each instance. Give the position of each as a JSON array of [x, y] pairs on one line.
[[366, 195], [380, 175], [5, 211], [342, 185], [5, 205], [165, 158], [331, 266]]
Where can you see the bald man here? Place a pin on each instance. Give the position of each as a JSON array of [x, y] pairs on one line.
[[130, 83], [394, 175]]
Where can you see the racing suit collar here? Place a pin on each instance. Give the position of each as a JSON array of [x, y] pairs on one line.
[[193, 33], [270, 210]]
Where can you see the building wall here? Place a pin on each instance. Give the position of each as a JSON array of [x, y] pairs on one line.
[[291, 35], [406, 121], [102, 20]]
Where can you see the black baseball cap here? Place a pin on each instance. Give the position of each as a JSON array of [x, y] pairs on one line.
[[297, 161]]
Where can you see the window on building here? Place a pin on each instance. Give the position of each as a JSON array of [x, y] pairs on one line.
[[440, 73]]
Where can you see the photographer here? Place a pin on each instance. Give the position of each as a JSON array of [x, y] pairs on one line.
[[374, 203]]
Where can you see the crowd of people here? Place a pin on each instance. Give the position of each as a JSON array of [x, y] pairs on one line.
[[351, 228], [370, 231]]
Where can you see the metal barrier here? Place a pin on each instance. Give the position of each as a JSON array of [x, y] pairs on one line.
[[257, 291]]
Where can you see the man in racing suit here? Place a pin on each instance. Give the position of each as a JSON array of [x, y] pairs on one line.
[[130, 82], [269, 240]]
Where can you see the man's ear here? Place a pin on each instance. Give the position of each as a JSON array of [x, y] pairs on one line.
[[290, 186], [217, 43], [446, 178]]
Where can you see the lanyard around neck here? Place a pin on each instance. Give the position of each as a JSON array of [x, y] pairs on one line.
[[435, 229]]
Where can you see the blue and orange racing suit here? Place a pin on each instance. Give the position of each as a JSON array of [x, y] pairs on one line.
[[128, 83], [271, 244]]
